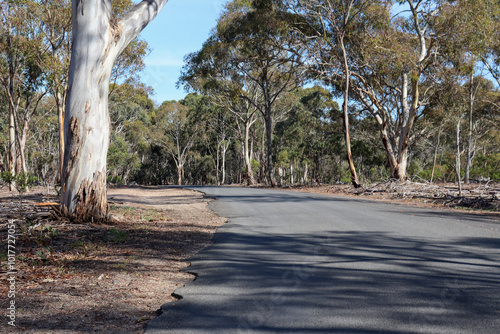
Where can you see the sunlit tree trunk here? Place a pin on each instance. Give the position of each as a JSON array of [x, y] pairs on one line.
[[247, 154], [60, 123], [97, 41], [458, 162], [22, 146], [470, 148], [434, 160], [306, 173], [10, 90], [269, 152], [180, 173], [224, 148], [22, 136], [217, 163], [12, 143]]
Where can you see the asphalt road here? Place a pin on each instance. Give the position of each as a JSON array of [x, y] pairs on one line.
[[291, 262]]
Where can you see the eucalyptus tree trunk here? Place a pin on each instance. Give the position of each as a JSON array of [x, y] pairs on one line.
[[345, 114], [217, 164], [409, 113], [22, 145], [470, 149], [247, 155], [269, 153], [410, 103], [13, 106], [395, 142], [97, 41], [224, 149], [434, 160], [12, 143], [60, 123], [458, 162], [180, 173]]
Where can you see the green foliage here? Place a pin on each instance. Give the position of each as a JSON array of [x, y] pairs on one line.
[[252, 54], [8, 177], [255, 165], [283, 158], [22, 181], [121, 161], [487, 167]]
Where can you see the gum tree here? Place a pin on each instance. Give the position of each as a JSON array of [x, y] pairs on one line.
[[327, 29], [98, 39], [259, 47], [208, 72], [395, 73]]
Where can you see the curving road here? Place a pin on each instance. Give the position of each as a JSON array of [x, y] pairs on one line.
[[303, 263]]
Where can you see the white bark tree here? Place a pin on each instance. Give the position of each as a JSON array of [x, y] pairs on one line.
[[396, 92], [245, 117], [98, 39], [325, 36]]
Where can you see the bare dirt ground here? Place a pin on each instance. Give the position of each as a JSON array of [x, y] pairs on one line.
[[100, 278], [113, 278]]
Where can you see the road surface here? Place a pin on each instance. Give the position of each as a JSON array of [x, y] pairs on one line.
[[302, 263]]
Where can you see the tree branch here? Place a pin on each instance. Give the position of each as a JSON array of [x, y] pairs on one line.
[[137, 19]]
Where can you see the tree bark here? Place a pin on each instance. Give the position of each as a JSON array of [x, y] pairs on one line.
[[12, 144], [97, 41], [306, 170], [470, 153], [217, 163], [225, 147], [262, 176], [269, 154], [180, 173], [434, 160], [60, 122], [12, 111], [458, 161], [247, 155], [22, 145]]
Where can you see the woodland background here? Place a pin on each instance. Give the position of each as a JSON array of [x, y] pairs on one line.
[[265, 95]]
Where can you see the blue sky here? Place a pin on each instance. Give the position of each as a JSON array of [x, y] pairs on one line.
[[180, 28]]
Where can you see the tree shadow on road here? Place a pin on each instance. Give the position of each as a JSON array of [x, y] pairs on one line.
[[341, 282]]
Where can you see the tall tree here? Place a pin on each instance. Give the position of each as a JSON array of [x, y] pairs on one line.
[[98, 38], [394, 74], [260, 46], [328, 28], [210, 74]]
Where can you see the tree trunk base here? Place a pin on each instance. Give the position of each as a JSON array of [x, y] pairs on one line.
[[91, 203]]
